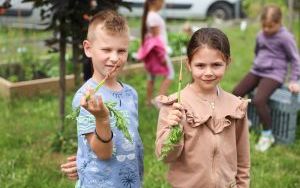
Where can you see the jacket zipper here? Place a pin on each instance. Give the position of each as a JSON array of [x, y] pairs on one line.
[[212, 105], [213, 169]]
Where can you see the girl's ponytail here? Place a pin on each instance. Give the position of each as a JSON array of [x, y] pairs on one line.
[[144, 20]]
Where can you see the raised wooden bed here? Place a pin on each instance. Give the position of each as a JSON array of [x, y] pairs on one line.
[[33, 87], [51, 85]]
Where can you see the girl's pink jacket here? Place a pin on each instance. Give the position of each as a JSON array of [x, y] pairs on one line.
[[215, 150], [153, 53]]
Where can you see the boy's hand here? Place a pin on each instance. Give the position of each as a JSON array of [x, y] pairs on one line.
[[95, 105], [175, 114], [294, 87], [70, 168]]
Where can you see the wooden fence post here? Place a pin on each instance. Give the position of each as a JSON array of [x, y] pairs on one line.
[[290, 14]]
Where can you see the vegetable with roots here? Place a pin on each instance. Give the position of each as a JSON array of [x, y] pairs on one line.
[[121, 122], [176, 133]]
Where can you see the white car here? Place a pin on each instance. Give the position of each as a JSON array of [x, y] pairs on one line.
[[26, 16], [197, 9], [23, 15]]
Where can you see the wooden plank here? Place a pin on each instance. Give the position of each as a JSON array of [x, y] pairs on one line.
[[51, 85]]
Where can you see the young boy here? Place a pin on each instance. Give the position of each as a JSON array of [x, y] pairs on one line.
[[105, 158]]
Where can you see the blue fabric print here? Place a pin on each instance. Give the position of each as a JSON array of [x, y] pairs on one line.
[[128, 176], [125, 168]]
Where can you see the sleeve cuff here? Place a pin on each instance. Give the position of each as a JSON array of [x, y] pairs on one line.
[[85, 124]]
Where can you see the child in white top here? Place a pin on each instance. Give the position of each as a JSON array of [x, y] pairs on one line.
[[154, 25]]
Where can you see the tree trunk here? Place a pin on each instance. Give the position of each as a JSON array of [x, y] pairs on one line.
[[77, 70], [62, 73]]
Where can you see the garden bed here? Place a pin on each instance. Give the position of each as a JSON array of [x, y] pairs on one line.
[[9, 89], [31, 88], [30, 78]]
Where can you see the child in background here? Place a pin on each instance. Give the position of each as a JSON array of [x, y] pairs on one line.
[[214, 150], [275, 48], [153, 50], [105, 158], [188, 29]]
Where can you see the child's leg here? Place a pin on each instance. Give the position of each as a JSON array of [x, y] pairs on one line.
[[170, 66], [265, 89], [167, 80], [164, 86], [246, 85], [150, 88]]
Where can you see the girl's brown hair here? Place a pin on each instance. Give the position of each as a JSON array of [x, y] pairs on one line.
[[273, 12], [144, 18], [212, 38]]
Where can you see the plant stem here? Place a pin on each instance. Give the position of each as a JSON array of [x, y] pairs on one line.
[[179, 81], [121, 122], [102, 82], [76, 111], [175, 134]]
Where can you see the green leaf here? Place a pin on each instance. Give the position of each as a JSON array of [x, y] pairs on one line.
[[121, 122], [74, 114], [173, 138]]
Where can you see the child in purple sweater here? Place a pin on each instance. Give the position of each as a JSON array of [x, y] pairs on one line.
[[275, 48]]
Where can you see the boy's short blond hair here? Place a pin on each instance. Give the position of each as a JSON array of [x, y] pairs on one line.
[[111, 22]]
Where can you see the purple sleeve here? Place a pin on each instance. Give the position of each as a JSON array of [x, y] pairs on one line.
[[291, 50], [256, 46]]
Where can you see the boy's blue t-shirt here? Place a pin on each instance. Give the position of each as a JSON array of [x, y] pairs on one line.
[[125, 168]]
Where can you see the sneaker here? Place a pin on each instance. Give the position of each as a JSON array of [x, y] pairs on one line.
[[264, 143]]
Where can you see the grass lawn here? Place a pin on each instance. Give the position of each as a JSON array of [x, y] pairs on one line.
[[28, 126]]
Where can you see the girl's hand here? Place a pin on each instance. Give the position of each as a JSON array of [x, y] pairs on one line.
[[94, 105], [70, 168], [294, 87], [175, 115]]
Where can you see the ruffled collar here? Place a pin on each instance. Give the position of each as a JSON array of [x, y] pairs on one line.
[[227, 108]]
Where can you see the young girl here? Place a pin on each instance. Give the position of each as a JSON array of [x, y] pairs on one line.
[[275, 48], [154, 48], [214, 149]]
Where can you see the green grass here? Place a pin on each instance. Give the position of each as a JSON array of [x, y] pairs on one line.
[[28, 127], [14, 41]]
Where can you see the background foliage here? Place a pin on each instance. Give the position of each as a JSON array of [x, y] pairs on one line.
[[28, 127]]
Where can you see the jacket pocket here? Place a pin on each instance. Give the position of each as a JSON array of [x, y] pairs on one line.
[[263, 64]]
